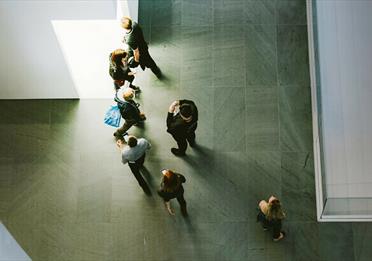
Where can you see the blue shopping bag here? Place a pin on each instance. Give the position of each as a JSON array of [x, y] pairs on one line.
[[113, 116]]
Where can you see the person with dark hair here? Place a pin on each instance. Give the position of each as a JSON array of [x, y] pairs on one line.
[[134, 154], [138, 48], [171, 187], [120, 71], [271, 215], [129, 111], [182, 125]]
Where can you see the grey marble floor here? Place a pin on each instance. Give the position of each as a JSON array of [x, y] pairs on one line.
[[64, 194]]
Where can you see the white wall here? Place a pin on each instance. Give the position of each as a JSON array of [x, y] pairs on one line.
[[59, 48], [345, 57], [9, 248]]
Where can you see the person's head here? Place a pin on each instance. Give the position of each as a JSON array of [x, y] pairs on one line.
[[126, 23], [186, 112], [128, 94], [170, 180], [132, 141], [274, 210], [118, 56]]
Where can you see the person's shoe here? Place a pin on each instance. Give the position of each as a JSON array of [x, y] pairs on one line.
[[159, 75], [177, 152], [282, 235], [134, 87]]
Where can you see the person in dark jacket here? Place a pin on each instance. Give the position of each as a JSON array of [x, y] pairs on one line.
[[138, 48], [120, 71], [129, 111], [182, 125], [171, 187], [270, 216]]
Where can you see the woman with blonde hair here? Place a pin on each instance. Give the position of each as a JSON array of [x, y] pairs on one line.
[[271, 215], [171, 187]]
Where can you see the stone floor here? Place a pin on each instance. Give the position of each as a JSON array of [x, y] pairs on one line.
[[64, 194]]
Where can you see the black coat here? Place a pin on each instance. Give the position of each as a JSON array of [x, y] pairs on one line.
[[174, 194], [180, 128], [129, 110]]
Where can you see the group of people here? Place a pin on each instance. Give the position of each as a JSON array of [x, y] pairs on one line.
[[181, 122], [181, 119]]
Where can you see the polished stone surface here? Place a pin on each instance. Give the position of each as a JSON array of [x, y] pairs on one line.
[[64, 194]]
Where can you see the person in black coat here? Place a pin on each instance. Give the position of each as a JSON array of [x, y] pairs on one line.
[[129, 111], [182, 125], [119, 69], [171, 187], [138, 48]]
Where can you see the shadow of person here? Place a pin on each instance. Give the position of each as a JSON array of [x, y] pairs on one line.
[[146, 189], [147, 175]]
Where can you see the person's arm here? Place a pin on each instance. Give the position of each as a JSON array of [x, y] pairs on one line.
[[120, 144], [182, 178], [263, 206], [168, 207], [148, 145], [136, 54], [171, 110], [173, 106]]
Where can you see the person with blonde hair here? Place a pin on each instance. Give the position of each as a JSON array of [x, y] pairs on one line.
[[270, 216], [138, 48], [129, 111], [171, 187]]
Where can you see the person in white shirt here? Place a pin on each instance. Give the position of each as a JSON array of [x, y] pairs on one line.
[[134, 154]]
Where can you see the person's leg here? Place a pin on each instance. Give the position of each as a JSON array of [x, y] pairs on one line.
[[182, 202], [262, 219], [277, 230], [130, 79], [182, 146], [123, 129], [118, 84], [191, 139], [141, 160], [135, 170], [150, 63]]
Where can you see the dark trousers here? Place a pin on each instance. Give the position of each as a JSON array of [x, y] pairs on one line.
[[182, 202], [126, 126], [275, 225], [134, 167], [148, 62], [129, 78], [182, 141]]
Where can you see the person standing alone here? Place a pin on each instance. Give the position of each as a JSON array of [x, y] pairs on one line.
[[182, 125]]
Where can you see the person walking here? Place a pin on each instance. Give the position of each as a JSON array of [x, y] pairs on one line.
[[171, 187], [129, 111], [134, 154], [270, 216], [182, 125], [138, 48]]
